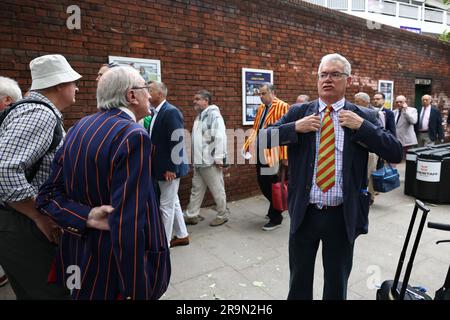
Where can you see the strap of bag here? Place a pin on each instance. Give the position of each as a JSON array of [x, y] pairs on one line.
[[57, 133]]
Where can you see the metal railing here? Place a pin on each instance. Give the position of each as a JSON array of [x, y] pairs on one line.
[[359, 5], [389, 8], [433, 15], [409, 11]]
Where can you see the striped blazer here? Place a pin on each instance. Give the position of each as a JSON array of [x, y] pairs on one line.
[[105, 160], [276, 111]]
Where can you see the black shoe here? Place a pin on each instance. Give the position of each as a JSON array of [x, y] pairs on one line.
[[269, 226]]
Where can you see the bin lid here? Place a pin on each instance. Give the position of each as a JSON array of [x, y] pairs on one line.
[[435, 154], [418, 150]]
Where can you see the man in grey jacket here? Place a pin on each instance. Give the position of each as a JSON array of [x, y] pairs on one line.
[[209, 145], [405, 119]]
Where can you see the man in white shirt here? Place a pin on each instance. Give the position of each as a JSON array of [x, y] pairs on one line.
[[429, 127]]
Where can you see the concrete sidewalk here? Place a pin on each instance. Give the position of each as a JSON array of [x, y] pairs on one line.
[[240, 261]]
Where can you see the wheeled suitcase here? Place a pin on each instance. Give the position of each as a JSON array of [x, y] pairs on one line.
[[395, 289]]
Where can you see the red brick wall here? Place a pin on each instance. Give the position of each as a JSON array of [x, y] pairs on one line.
[[204, 44]]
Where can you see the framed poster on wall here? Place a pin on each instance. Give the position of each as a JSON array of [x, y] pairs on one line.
[[150, 70], [251, 80], [387, 87]]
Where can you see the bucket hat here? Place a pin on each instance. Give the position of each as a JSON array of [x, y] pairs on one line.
[[50, 70]]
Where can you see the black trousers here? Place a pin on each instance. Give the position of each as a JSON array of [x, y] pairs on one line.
[[326, 226], [265, 184], [26, 256]]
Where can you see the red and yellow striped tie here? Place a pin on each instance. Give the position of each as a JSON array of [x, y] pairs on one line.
[[325, 178]]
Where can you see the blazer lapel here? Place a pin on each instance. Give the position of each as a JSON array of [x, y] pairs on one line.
[[348, 149], [159, 116], [312, 135], [272, 109]]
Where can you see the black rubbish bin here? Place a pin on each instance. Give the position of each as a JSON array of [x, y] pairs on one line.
[[433, 175], [411, 170]]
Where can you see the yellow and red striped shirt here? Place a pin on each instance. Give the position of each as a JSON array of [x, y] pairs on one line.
[[276, 111]]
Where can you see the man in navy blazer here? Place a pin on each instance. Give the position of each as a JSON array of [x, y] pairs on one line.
[[429, 127], [389, 119], [169, 162], [335, 217]]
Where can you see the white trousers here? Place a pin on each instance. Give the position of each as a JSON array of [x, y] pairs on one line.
[[212, 178], [170, 208]]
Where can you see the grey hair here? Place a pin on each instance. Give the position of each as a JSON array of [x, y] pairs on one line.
[[161, 87], [336, 57], [113, 87], [268, 85], [304, 97], [363, 96], [10, 88], [205, 94]]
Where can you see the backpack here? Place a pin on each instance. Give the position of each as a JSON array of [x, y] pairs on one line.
[[57, 134]]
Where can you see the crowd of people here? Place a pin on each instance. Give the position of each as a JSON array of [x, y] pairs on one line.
[[96, 211]]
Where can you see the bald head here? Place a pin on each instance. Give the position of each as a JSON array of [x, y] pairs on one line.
[[400, 102], [426, 100]]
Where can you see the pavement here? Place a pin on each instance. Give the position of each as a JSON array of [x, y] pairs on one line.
[[239, 261]]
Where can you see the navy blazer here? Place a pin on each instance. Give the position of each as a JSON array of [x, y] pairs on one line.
[[301, 154], [390, 121], [435, 129], [168, 120], [105, 159]]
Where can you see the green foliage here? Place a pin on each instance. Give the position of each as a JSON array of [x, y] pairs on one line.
[[445, 36]]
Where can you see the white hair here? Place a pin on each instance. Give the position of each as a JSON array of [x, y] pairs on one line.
[[10, 88], [336, 57], [363, 96], [113, 87], [161, 87]]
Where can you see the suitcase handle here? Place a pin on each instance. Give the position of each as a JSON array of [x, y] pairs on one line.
[[439, 226], [425, 211], [421, 206]]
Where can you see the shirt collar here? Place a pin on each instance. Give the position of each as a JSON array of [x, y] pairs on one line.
[[158, 108], [128, 112], [336, 106], [35, 95]]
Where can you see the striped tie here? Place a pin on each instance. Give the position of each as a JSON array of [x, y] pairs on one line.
[[325, 178]]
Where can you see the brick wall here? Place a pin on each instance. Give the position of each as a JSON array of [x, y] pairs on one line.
[[204, 44]]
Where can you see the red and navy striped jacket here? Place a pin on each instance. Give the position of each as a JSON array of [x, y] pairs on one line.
[[105, 160]]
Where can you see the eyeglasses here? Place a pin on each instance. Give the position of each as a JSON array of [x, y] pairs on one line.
[[144, 87], [333, 75]]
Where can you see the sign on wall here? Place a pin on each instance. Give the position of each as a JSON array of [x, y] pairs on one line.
[[387, 87], [251, 80], [150, 70]]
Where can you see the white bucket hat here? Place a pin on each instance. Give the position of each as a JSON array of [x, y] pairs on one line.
[[50, 70]]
